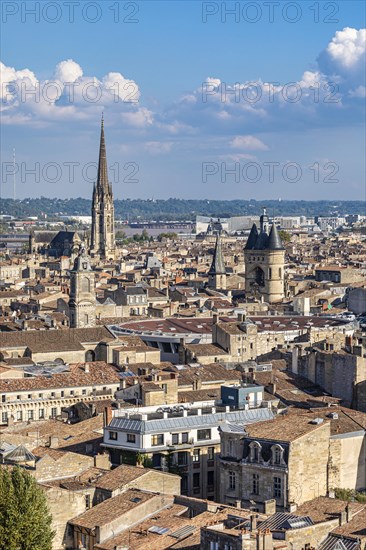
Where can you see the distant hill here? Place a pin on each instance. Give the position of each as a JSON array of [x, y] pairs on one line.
[[179, 209]]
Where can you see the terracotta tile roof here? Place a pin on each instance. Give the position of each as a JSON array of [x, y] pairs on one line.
[[285, 428], [99, 373], [324, 509], [112, 508], [120, 476], [55, 340]]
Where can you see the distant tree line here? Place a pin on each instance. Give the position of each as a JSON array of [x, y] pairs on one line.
[[177, 209]]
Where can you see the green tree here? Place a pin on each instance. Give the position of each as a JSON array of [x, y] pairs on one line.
[[25, 522], [285, 236]]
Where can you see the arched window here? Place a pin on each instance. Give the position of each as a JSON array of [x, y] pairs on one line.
[[255, 451], [259, 276], [277, 454], [89, 356]]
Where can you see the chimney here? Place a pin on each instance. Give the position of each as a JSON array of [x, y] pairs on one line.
[[102, 461], [214, 319], [349, 514], [86, 368], [53, 443], [253, 522], [270, 507], [342, 518], [108, 415]]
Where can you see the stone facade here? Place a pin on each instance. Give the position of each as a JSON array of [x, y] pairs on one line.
[[82, 293]]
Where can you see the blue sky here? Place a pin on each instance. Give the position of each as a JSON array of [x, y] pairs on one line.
[[244, 105]]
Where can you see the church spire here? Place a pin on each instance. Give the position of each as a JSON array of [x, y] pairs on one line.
[[102, 181], [218, 264], [102, 237]]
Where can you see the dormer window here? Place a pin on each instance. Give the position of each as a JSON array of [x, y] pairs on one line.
[[277, 454], [255, 451]]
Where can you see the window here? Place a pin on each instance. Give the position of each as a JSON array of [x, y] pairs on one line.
[[83, 392], [196, 455], [277, 487], [30, 414], [276, 455], [87, 501], [157, 439], [175, 439], [19, 397], [4, 417], [41, 413], [113, 436], [62, 393], [210, 479], [131, 438], [203, 434], [232, 480], [20, 416], [40, 395], [165, 387], [54, 412], [182, 459], [29, 396], [196, 480], [255, 484], [255, 451], [211, 453], [3, 398], [52, 394], [185, 437]]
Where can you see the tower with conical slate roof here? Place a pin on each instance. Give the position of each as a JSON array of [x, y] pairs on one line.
[[217, 272], [102, 236], [264, 259]]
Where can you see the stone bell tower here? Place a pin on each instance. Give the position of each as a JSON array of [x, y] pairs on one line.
[[264, 258], [82, 300]]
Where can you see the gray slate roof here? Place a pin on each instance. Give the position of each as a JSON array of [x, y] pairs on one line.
[[190, 422]]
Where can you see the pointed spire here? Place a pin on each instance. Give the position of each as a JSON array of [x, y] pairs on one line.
[[218, 264], [252, 239], [274, 239], [102, 181]]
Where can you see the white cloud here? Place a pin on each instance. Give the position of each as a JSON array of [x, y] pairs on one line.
[[359, 92], [69, 95], [68, 71], [249, 143], [122, 88], [347, 47], [140, 118], [12, 80]]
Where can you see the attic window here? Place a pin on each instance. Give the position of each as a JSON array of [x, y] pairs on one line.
[[135, 499]]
